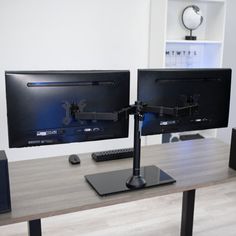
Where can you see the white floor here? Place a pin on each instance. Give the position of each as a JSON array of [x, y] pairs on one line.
[[215, 215]]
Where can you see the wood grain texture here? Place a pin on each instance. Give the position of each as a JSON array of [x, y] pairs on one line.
[[50, 187], [215, 215]]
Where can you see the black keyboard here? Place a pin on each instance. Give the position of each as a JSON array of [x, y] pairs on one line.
[[113, 154]]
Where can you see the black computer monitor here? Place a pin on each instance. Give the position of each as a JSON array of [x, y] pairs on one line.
[[191, 99], [53, 107]]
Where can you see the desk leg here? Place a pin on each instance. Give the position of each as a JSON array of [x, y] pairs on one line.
[[187, 213], [34, 228]]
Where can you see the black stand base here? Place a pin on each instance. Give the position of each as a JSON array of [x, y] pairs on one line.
[[115, 181], [135, 182], [190, 37]]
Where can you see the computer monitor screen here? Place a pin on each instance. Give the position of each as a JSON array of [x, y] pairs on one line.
[[206, 90], [43, 106]]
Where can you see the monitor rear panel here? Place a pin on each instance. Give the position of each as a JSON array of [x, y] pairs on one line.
[[210, 88], [37, 101]]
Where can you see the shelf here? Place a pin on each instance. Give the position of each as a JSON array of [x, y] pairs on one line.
[[193, 41], [216, 1]]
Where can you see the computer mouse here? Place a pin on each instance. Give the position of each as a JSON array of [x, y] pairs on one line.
[[74, 159]]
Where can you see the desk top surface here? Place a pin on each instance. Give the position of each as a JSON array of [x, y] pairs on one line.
[[51, 186]]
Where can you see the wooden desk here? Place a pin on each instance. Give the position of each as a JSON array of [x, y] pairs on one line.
[[48, 187]]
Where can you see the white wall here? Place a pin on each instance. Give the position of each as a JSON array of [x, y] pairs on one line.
[[229, 60], [71, 34]]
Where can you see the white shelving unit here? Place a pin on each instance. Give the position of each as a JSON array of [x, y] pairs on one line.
[[168, 47], [207, 51]]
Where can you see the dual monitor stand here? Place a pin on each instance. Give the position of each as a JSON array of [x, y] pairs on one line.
[[130, 179]]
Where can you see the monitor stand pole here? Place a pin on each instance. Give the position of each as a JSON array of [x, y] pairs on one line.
[[136, 180]]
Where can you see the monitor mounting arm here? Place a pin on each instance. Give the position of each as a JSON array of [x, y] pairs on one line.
[[186, 110], [75, 111]]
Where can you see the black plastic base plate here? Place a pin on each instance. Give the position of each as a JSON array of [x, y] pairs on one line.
[[115, 181], [190, 37]]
